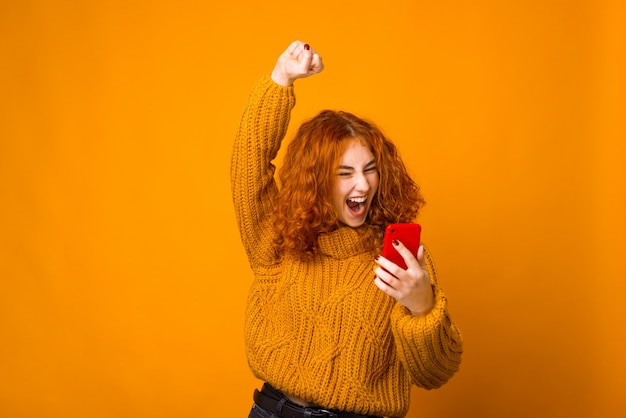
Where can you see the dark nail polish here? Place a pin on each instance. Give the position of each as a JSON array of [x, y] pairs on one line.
[[396, 242], [307, 47]]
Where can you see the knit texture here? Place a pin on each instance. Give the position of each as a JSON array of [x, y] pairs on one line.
[[320, 329]]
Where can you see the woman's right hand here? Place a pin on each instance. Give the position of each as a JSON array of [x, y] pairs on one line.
[[298, 61]]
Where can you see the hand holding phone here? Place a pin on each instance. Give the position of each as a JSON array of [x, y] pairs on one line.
[[408, 234]]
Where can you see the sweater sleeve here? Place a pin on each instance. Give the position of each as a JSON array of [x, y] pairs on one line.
[[262, 128], [429, 346]]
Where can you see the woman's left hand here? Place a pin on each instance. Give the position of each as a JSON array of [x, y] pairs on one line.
[[410, 287]]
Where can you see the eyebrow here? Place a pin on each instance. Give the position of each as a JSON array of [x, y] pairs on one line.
[[347, 167]]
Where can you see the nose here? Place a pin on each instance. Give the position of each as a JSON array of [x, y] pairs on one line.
[[361, 183]]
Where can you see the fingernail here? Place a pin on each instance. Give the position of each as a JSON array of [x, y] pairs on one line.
[[396, 242], [307, 47]]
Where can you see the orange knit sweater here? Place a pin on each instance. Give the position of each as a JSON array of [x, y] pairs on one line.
[[321, 330]]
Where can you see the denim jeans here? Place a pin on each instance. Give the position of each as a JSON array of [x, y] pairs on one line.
[[258, 412]]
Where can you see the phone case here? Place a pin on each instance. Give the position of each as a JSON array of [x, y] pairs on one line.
[[408, 234]]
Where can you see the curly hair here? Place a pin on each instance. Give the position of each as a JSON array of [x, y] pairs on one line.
[[303, 207]]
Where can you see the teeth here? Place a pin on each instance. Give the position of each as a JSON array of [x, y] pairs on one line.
[[357, 199]]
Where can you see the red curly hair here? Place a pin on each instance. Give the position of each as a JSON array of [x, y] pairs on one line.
[[304, 209]]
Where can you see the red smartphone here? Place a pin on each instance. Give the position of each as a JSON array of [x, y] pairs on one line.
[[408, 234]]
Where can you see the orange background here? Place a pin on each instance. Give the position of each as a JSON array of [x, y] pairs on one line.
[[122, 278]]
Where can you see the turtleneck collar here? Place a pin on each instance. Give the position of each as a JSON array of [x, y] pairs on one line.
[[344, 242]]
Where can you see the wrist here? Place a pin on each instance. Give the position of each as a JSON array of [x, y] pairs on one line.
[[424, 307], [420, 312], [281, 78]]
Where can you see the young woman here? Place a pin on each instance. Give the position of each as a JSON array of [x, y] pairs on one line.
[[332, 328]]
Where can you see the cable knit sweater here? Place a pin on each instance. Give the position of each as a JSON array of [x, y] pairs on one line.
[[321, 330]]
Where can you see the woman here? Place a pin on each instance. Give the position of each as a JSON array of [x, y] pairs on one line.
[[328, 336]]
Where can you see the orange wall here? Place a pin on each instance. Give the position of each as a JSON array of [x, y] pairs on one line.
[[122, 279]]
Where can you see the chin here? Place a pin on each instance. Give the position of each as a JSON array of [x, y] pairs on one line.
[[354, 223]]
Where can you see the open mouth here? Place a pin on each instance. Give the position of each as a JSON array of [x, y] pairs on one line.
[[357, 205]]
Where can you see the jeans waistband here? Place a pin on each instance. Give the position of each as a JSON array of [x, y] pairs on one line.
[[278, 403]]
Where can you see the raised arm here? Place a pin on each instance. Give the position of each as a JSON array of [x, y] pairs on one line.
[[261, 131]]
